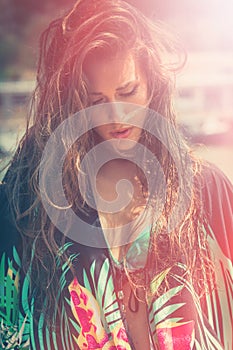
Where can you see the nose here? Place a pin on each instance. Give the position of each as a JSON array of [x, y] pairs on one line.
[[110, 112], [106, 113], [116, 112]]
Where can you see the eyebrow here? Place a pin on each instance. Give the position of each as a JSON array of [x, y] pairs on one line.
[[127, 84], [119, 88]]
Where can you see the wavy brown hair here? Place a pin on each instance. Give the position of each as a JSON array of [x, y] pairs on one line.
[[107, 26]]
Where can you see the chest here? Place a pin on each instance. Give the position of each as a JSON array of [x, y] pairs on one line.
[[134, 310], [121, 202]]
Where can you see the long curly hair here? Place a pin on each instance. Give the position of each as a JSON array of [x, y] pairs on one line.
[[110, 26]]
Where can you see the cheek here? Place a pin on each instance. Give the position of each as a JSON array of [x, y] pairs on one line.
[[101, 131], [142, 96], [138, 133]]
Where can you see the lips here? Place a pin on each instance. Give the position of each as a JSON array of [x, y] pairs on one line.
[[121, 133]]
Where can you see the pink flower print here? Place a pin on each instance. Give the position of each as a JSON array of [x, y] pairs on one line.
[[175, 336], [86, 310], [122, 334], [93, 344], [85, 318]]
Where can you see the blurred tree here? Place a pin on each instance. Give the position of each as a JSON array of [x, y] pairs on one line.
[[21, 21], [9, 48]]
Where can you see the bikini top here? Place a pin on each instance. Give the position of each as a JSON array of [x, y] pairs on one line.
[[136, 256]]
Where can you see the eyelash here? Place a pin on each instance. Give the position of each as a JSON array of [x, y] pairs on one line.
[[97, 101], [130, 93]]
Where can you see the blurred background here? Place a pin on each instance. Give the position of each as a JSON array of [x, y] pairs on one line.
[[204, 99]]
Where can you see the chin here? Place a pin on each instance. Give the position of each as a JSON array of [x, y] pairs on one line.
[[124, 146]]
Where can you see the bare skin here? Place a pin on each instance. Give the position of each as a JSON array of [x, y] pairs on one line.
[[120, 79], [106, 180]]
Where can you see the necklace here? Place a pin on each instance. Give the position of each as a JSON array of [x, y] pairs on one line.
[[131, 274], [129, 293], [130, 296], [120, 280]]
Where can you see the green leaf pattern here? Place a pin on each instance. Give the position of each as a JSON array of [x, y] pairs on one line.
[[17, 330]]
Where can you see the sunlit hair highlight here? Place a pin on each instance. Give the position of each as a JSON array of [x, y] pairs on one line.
[[106, 26]]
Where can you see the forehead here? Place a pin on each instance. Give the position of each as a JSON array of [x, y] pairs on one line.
[[110, 70]]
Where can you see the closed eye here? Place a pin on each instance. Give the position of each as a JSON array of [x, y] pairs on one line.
[[103, 99], [131, 92], [98, 101]]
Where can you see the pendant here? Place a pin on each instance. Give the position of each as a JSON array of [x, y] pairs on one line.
[[120, 294], [122, 307]]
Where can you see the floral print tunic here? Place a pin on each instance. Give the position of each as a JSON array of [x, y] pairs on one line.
[[90, 315]]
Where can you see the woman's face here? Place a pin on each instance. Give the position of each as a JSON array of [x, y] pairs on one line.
[[116, 79]]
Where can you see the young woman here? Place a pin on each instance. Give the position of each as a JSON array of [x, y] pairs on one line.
[[114, 235]]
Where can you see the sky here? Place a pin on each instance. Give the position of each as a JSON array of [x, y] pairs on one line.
[[202, 24]]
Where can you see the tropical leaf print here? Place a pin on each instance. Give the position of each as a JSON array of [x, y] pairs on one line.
[[205, 339], [220, 302], [104, 293], [157, 281], [17, 327], [162, 308], [214, 330], [8, 292], [90, 317], [93, 334], [11, 333], [12, 338], [41, 336]]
